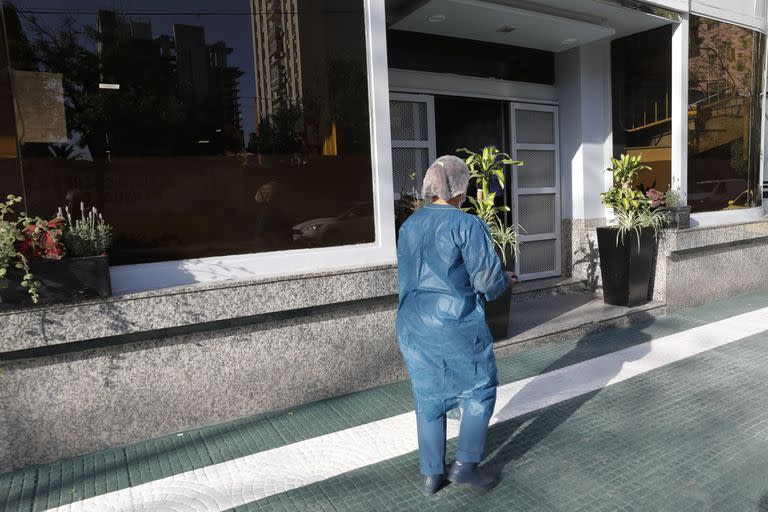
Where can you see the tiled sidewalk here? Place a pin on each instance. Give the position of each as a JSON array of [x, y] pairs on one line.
[[692, 435]]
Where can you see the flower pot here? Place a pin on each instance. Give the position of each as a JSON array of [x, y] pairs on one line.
[[497, 315], [61, 280], [679, 217], [626, 267], [497, 311]]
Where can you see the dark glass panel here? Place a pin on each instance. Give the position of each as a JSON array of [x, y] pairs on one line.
[[641, 79], [198, 128], [440, 54], [725, 79], [10, 169], [472, 123]]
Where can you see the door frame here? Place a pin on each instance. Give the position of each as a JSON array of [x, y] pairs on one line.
[[430, 144], [516, 191]]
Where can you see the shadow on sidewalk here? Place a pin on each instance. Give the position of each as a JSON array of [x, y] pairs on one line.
[[522, 433]]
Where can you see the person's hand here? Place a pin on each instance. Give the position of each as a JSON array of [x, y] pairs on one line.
[[512, 279]]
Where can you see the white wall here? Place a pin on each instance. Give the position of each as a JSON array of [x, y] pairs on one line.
[[401, 80], [582, 77], [675, 5], [750, 13]]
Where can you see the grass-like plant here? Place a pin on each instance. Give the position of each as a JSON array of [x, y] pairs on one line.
[[88, 235], [634, 221]]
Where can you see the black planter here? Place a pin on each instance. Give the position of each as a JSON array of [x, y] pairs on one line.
[[497, 315], [626, 268], [679, 218], [497, 311], [61, 280]]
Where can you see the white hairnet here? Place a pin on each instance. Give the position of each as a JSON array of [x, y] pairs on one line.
[[446, 178]]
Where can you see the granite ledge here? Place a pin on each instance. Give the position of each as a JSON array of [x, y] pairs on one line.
[[689, 240], [187, 305]]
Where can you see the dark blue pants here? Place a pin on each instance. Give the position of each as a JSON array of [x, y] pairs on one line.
[[472, 434]]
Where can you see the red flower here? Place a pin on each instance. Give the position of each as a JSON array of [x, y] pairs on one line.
[[41, 240], [657, 198]]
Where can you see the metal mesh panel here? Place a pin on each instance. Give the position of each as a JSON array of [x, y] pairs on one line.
[[537, 213], [409, 120], [405, 163], [534, 127], [538, 256], [538, 171]]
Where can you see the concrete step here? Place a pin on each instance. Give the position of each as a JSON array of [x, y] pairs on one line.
[[529, 291], [566, 311]]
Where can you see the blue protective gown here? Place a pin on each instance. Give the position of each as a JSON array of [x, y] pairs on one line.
[[447, 270]]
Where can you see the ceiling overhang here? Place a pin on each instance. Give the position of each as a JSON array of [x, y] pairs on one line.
[[534, 26]]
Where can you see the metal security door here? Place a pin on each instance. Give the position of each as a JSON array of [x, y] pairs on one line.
[[412, 118], [536, 189]]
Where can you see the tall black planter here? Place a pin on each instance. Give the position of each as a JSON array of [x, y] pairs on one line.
[[626, 267], [497, 315], [61, 280], [497, 311]]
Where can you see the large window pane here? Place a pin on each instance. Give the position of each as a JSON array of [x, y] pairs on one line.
[[10, 169], [199, 128], [641, 78], [725, 77]]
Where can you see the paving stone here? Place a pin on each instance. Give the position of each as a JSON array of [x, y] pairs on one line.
[[692, 435]]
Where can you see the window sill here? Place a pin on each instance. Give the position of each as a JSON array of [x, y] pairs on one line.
[[57, 324], [721, 218]]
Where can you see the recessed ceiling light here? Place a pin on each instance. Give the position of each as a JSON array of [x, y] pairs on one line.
[[505, 29], [570, 40], [437, 18]]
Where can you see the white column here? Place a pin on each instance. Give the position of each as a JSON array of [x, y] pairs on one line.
[[763, 124], [586, 137], [680, 107]]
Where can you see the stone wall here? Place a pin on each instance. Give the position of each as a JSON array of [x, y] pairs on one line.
[[82, 377], [692, 266], [711, 263]]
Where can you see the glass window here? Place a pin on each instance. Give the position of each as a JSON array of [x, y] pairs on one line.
[[641, 78], [725, 79], [10, 169], [197, 128]]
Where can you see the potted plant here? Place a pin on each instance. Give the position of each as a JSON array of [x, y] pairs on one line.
[[65, 258], [485, 167], [678, 217], [627, 246], [14, 266]]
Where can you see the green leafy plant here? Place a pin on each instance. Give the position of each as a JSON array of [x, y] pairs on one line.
[[484, 167], [88, 235], [629, 203], [11, 255], [623, 195]]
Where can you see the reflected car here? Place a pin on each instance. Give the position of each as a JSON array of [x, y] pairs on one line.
[[355, 225], [716, 194]]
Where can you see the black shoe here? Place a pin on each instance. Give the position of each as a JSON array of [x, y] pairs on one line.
[[433, 483], [469, 473]]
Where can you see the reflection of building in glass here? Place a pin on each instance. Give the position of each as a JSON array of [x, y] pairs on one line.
[[204, 80], [641, 80], [277, 55], [724, 114], [192, 59]]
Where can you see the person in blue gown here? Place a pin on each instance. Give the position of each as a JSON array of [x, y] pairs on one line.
[[447, 270]]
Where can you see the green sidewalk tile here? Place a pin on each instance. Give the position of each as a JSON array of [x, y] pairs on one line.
[[689, 436], [49, 485]]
